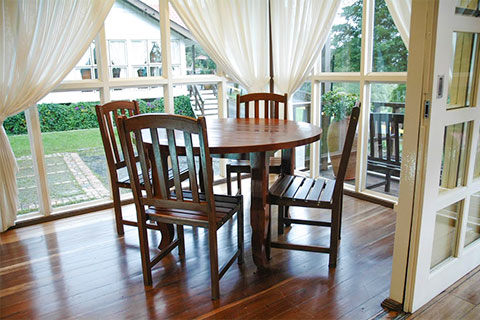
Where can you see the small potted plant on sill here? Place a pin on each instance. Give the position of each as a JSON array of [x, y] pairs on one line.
[[338, 105]]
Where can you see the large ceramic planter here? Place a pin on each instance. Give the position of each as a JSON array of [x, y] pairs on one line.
[[337, 132]]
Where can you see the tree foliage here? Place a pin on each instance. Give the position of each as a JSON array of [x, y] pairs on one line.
[[389, 52]]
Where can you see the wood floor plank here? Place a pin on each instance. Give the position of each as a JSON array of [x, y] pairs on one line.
[[80, 268], [450, 307]]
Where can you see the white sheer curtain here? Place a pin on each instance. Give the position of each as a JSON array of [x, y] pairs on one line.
[[40, 42], [299, 31], [401, 10], [234, 33]]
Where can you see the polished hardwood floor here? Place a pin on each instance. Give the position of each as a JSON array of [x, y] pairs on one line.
[[79, 268]]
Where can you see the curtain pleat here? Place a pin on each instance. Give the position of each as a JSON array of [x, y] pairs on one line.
[[234, 33], [40, 42], [401, 10], [299, 31]]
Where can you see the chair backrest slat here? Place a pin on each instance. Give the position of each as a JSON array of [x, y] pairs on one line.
[[106, 116], [159, 165], [347, 149], [177, 132], [172, 146], [271, 107], [191, 165]]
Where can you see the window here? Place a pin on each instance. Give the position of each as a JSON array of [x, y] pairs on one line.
[[117, 63], [146, 58]]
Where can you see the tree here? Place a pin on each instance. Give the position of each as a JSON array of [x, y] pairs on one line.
[[389, 53], [346, 40]]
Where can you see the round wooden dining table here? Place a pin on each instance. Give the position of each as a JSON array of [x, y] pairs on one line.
[[257, 137]]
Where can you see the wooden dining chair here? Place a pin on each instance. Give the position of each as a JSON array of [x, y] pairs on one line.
[[319, 193], [106, 116], [271, 110], [183, 205]]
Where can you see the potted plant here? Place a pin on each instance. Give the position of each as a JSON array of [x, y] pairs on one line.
[[337, 106]]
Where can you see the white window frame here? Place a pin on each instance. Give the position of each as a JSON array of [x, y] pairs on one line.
[[365, 78], [167, 80]]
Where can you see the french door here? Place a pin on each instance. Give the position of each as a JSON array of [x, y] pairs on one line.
[[445, 227]]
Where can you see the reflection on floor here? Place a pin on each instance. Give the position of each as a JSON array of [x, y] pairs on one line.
[[79, 268]]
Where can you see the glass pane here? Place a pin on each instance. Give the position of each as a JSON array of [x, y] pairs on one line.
[[188, 57], [473, 222], [337, 101], [154, 52], [203, 98], [445, 234], [155, 71], [76, 165], [118, 72], [476, 170], [468, 7], [138, 52], [389, 51], [16, 129], [233, 90], [462, 70], [341, 52], [302, 100], [452, 172], [385, 143], [117, 51]]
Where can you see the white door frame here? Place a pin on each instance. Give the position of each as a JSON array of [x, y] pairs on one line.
[[421, 166]]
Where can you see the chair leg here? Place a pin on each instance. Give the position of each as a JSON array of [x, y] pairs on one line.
[[280, 226], [117, 207], [240, 232], [239, 183], [214, 277], [229, 180], [181, 238], [287, 215], [144, 251], [388, 177], [268, 242], [340, 216], [332, 263]]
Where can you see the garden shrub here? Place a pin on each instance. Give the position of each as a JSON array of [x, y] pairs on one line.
[[74, 116]]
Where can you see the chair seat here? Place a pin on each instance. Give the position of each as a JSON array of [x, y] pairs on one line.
[[309, 192], [124, 180], [225, 207]]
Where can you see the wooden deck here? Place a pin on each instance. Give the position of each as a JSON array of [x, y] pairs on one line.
[[79, 268]]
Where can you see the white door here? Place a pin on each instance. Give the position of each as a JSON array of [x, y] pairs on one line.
[[445, 229]]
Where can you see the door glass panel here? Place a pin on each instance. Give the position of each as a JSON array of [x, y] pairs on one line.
[[454, 156], [473, 222], [476, 169], [462, 70], [444, 237], [468, 7]]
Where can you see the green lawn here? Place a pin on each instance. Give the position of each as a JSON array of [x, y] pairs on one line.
[[63, 141]]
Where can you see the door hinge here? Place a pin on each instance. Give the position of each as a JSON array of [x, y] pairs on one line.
[[426, 113]]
